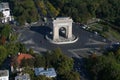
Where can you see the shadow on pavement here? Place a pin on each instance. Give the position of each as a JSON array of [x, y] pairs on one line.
[[43, 30]]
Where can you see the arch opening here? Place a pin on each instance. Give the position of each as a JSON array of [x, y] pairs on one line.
[[62, 32]]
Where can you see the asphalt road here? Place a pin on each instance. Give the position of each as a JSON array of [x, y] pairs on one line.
[[34, 37]]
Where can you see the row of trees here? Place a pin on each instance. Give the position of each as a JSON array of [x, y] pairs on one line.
[[106, 67], [79, 10], [4, 35], [46, 9], [8, 46]]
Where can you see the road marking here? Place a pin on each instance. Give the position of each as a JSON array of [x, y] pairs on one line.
[[82, 49], [74, 54]]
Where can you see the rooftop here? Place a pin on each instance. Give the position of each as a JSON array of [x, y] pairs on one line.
[[23, 77], [23, 56], [4, 6], [62, 18], [4, 73], [50, 72]]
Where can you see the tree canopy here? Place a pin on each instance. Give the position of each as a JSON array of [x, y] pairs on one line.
[[83, 10], [55, 58], [24, 11], [106, 67], [79, 10]]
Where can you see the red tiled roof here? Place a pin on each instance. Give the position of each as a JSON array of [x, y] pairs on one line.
[[23, 56]]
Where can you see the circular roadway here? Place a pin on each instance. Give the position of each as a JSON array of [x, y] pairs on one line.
[[34, 37]]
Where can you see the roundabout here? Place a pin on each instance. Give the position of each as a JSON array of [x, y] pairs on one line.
[[62, 40]]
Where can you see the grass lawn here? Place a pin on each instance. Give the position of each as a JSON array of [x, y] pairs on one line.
[[110, 33]]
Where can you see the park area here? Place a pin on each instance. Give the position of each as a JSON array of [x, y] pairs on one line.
[[105, 30]]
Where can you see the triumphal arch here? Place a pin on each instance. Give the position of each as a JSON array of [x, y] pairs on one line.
[[62, 31], [62, 26]]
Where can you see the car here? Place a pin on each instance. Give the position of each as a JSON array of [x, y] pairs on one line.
[[104, 40], [84, 27], [91, 51], [96, 32], [117, 43]]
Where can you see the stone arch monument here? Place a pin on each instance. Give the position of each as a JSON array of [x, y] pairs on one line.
[[59, 23], [62, 26]]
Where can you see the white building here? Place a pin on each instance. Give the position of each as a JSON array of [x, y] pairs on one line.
[[23, 77], [50, 72], [5, 10], [4, 75]]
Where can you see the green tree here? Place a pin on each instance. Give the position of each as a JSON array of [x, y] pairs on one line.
[[3, 54], [3, 40], [13, 37], [59, 61], [24, 10], [71, 76], [104, 68], [52, 10], [31, 51], [12, 48], [1, 14], [39, 61], [27, 63], [6, 31], [30, 72], [22, 48], [41, 6], [64, 63]]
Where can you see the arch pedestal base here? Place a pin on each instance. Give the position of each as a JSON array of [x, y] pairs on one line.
[[62, 40]]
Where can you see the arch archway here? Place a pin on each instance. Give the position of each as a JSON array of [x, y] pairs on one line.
[[63, 32], [62, 23]]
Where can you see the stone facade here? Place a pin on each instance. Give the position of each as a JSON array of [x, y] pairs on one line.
[[64, 22]]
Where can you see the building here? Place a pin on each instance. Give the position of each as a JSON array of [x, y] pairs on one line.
[[4, 75], [23, 77], [16, 61], [22, 56], [5, 11], [49, 72]]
